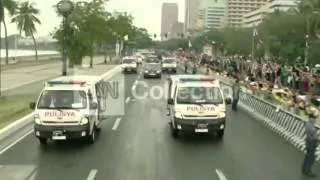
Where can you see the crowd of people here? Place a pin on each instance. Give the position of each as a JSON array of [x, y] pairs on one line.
[[296, 87]]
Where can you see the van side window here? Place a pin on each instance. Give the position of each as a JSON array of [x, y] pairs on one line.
[[175, 91], [170, 86]]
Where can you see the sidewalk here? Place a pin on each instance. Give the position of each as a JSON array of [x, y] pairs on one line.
[[14, 78]]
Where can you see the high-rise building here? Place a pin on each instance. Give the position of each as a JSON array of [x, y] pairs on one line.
[[176, 30], [255, 17], [169, 16], [237, 8], [191, 15], [213, 13]]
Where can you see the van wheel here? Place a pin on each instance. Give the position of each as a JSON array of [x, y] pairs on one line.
[[174, 131], [43, 141], [220, 134], [92, 137]]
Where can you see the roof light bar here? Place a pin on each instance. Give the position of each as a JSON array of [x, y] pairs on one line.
[[204, 78], [65, 82]]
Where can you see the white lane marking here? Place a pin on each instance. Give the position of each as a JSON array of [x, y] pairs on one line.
[[116, 124], [128, 100], [134, 85], [92, 174], [221, 175], [15, 142]]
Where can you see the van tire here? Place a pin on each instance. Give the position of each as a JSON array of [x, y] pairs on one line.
[[92, 137], [43, 141], [98, 129], [220, 134], [174, 131]]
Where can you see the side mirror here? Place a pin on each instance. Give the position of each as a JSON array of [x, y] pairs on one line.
[[32, 105], [228, 100], [93, 105], [170, 101]]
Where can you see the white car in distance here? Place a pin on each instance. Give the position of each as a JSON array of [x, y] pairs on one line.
[[129, 64], [169, 65]]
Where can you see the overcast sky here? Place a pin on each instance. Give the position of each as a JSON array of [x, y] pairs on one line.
[[147, 14]]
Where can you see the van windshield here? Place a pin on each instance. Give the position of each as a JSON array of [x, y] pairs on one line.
[[62, 99], [199, 95], [168, 61], [128, 61]]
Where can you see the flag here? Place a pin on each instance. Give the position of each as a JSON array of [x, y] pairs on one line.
[[126, 37], [256, 37], [190, 45]]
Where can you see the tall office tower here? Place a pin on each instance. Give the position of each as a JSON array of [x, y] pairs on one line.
[[213, 13], [191, 15], [169, 16], [257, 16], [238, 8], [176, 30]]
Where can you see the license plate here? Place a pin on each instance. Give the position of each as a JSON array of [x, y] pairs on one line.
[[59, 137], [202, 126], [57, 133], [152, 74], [201, 130]]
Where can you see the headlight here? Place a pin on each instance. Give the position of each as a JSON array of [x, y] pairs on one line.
[[178, 115], [222, 115], [158, 71], [37, 120], [84, 121], [146, 71]]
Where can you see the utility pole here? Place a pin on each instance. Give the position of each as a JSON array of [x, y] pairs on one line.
[[1, 19]]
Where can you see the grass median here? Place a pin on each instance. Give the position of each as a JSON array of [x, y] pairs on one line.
[[29, 63], [14, 107]]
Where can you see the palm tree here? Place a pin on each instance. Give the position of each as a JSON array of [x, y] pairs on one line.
[[26, 21], [10, 6]]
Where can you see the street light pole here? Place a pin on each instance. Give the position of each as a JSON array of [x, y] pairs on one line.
[[64, 48], [1, 19], [65, 7]]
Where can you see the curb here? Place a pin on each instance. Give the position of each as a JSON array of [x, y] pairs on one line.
[[19, 124]]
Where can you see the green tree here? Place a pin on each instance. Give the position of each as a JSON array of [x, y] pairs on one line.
[[11, 7], [26, 20], [284, 35], [142, 38], [90, 26]]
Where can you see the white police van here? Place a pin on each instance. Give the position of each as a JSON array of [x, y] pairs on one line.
[[129, 64], [196, 104], [169, 64], [70, 107]]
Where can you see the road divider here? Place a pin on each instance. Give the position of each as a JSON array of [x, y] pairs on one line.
[[27, 120]]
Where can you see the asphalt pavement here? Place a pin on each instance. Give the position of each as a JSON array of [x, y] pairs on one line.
[[136, 144]]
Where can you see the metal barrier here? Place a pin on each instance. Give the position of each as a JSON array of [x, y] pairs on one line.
[[287, 125]]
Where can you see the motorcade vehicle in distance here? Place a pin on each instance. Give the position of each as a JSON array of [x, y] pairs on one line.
[[169, 65], [70, 107], [152, 69], [129, 64], [196, 104]]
